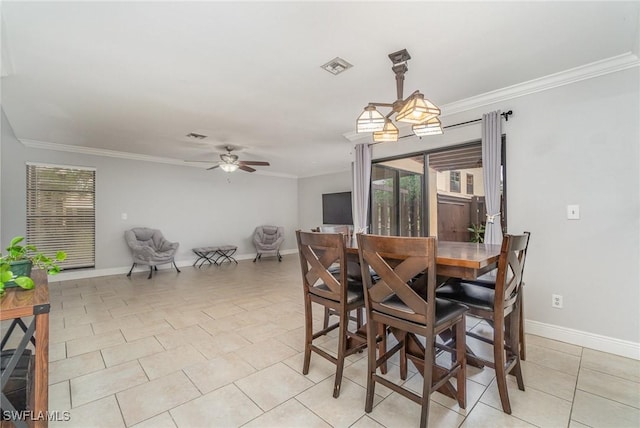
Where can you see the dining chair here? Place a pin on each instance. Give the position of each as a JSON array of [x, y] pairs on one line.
[[500, 307], [319, 252], [353, 268], [489, 280], [403, 298]]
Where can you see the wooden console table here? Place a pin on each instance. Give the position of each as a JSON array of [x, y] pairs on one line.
[[18, 305]]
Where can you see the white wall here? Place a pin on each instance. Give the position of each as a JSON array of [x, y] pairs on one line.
[[310, 192], [190, 205]]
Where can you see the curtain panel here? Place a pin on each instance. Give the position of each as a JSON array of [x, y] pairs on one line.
[[361, 185], [491, 160]]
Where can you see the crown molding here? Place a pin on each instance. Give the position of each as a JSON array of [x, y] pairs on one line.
[[92, 151], [566, 77]]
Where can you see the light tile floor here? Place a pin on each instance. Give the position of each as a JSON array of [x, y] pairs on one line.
[[222, 347]]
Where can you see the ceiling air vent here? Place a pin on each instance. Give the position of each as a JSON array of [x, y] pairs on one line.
[[336, 66], [195, 136]]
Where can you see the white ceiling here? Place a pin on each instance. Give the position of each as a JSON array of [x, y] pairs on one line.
[[138, 77]]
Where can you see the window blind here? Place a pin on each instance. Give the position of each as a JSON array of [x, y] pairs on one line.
[[61, 213]]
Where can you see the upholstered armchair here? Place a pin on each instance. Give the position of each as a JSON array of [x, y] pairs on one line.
[[267, 240], [150, 248]]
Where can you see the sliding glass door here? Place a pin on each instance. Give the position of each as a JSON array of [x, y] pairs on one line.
[[437, 193], [397, 207]]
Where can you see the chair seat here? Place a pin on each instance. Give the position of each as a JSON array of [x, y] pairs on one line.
[[446, 310], [473, 295], [354, 272], [355, 292]]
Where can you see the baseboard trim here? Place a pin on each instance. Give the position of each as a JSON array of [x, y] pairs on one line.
[[585, 339], [92, 273]]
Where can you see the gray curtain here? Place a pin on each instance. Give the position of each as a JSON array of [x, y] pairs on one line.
[[491, 159], [361, 185]]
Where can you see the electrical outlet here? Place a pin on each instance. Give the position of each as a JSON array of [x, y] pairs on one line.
[[556, 301]]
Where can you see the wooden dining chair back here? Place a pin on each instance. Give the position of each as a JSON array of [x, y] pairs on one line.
[[489, 280], [320, 254], [500, 307], [353, 268], [403, 298]]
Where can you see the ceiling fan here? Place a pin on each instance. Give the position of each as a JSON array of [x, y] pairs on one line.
[[230, 162]]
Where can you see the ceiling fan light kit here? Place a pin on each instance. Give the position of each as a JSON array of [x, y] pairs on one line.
[[230, 162], [415, 109], [229, 167]]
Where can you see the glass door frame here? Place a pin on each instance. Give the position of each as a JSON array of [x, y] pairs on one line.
[[426, 214]]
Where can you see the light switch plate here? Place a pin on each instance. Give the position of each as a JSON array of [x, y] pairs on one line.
[[123, 216], [573, 212]]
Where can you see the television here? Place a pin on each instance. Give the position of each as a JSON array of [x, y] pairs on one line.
[[336, 208]]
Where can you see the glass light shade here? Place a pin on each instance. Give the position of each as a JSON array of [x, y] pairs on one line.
[[417, 110], [430, 127], [388, 134], [229, 167], [370, 120]]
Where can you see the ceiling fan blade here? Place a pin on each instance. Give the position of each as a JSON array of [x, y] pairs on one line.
[[213, 167], [246, 168], [259, 163], [202, 161]]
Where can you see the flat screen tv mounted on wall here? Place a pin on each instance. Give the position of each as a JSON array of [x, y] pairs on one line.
[[336, 208]]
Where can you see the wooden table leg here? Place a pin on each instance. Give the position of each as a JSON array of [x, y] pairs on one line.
[[41, 374]]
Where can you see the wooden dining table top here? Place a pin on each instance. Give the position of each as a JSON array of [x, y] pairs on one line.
[[467, 260]]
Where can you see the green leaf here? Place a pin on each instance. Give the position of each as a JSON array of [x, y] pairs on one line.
[[25, 282], [16, 241], [5, 276], [61, 256]]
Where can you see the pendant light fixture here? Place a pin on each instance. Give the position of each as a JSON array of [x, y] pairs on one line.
[[430, 127], [415, 109]]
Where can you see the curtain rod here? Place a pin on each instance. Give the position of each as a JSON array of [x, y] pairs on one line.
[[505, 115]]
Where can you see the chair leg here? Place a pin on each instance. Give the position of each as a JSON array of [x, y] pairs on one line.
[[382, 345], [403, 358], [308, 334], [279, 256], [359, 318], [428, 379], [175, 266], [371, 364], [461, 357], [150, 272], [514, 341], [131, 270], [327, 314], [499, 361], [523, 345], [342, 350], [256, 257]]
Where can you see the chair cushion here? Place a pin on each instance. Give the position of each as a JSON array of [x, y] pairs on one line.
[[355, 292], [446, 310], [353, 272], [467, 293]]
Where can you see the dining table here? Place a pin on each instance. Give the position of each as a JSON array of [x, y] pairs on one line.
[[466, 260]]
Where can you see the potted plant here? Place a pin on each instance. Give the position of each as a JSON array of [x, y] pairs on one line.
[[16, 264], [477, 232]]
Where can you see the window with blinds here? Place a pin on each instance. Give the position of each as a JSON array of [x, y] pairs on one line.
[[61, 213]]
